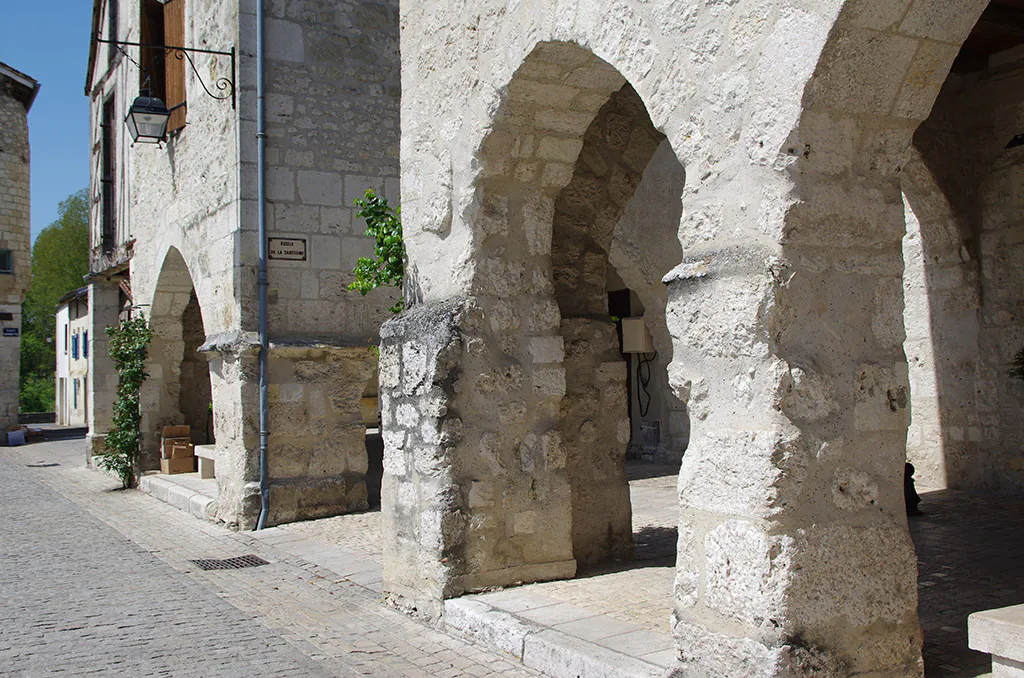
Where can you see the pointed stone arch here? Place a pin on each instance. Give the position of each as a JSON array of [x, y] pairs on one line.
[[525, 479], [179, 388]]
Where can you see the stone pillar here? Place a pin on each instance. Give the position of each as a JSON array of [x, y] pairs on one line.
[[477, 502], [104, 306], [594, 430], [234, 379], [794, 556]]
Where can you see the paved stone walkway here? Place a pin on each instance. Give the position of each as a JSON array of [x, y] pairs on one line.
[[94, 580], [970, 549]]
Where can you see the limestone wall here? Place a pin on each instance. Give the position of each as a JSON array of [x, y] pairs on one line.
[[332, 132], [14, 236], [187, 217]]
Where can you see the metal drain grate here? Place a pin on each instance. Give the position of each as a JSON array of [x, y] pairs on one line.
[[230, 563], [43, 465]]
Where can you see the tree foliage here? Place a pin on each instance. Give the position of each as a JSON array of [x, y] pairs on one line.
[[387, 267], [128, 347], [60, 258]]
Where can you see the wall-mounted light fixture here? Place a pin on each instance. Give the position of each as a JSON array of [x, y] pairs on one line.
[[148, 116], [147, 120]]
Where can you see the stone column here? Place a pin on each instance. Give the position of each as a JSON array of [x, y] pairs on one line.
[[794, 555], [594, 430], [234, 378], [104, 306], [476, 492]]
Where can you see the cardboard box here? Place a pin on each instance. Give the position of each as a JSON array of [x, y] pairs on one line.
[[181, 449], [172, 435], [635, 337], [176, 431], [181, 465]]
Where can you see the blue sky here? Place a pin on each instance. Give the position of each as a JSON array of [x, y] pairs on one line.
[[49, 40]]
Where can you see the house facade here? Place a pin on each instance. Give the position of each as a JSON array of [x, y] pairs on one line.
[[71, 346], [174, 235], [17, 92]]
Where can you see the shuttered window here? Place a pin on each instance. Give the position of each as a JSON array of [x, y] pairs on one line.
[[108, 220], [151, 26], [174, 68], [112, 20]]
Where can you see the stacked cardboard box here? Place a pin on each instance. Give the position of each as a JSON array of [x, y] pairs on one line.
[[177, 454]]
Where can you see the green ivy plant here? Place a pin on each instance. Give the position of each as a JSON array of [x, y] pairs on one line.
[[128, 348], [387, 266]]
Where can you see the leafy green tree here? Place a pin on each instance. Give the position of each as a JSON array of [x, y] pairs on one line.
[[387, 267], [60, 258]]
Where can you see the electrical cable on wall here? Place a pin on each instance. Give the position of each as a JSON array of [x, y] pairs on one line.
[[643, 378]]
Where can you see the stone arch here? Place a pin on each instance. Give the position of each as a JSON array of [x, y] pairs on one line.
[[179, 387], [580, 138], [530, 483]]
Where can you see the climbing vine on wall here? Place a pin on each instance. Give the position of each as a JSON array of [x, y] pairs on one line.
[[387, 266], [128, 346]]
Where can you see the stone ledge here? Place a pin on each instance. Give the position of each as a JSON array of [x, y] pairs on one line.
[[190, 501], [541, 648], [1000, 632]]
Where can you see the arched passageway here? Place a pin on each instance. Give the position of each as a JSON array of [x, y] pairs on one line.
[[540, 483], [179, 388], [785, 318], [964, 289]]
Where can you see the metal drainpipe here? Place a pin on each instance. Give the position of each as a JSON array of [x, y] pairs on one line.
[[261, 181]]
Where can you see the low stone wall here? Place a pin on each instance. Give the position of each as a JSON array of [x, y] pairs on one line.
[[317, 441], [317, 444]]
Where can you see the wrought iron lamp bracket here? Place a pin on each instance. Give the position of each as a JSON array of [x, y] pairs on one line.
[[225, 85]]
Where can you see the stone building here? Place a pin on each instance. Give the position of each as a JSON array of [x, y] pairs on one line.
[[770, 181], [71, 347], [174, 235], [17, 92]]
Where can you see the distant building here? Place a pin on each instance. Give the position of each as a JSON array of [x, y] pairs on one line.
[[17, 92], [71, 337]]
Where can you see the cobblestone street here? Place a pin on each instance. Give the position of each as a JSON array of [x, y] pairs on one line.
[[99, 581]]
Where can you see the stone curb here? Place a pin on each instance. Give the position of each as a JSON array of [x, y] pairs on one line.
[[190, 501], [543, 649]]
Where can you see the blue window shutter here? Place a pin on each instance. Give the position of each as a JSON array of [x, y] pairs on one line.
[[85, 344]]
